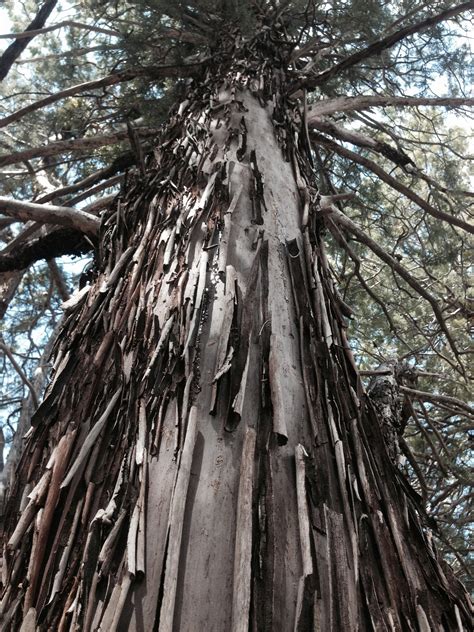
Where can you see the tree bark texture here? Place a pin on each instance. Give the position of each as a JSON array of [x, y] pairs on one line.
[[205, 457]]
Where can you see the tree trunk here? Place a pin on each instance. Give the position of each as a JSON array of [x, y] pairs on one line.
[[205, 457]]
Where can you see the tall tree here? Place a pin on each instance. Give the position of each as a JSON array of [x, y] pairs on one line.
[[206, 455]]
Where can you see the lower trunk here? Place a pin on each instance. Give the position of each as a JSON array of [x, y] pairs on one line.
[[205, 457]]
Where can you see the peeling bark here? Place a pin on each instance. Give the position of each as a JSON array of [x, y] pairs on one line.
[[221, 467]]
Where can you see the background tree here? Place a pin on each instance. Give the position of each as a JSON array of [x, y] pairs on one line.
[[400, 210]]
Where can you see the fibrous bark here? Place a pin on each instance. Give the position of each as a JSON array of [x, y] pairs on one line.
[[205, 457]]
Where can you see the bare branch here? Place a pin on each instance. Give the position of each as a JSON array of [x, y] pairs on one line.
[[18, 46], [76, 144], [153, 72], [443, 399], [8, 352], [9, 282], [60, 215], [356, 138], [100, 202], [351, 104], [395, 184], [73, 52], [383, 44], [397, 156], [120, 163], [345, 221], [29, 229], [30, 33]]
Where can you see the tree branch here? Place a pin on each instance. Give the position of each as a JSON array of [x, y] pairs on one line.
[[347, 223], [153, 72], [76, 144], [7, 351], [442, 399], [395, 184], [383, 44], [30, 33], [66, 54], [356, 138], [57, 243], [18, 46], [60, 215], [121, 163], [58, 280], [9, 282], [364, 102]]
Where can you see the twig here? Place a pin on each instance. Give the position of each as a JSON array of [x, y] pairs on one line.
[[8, 352]]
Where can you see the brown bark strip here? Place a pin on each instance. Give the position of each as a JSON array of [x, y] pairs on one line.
[[243, 537], [344, 612], [36, 498], [176, 525], [65, 555], [90, 440], [58, 469]]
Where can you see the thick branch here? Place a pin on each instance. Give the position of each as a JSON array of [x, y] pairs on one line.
[[18, 46], [76, 144], [153, 72], [395, 184], [58, 242], [29, 229], [356, 138], [60, 215], [383, 44], [351, 104]]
